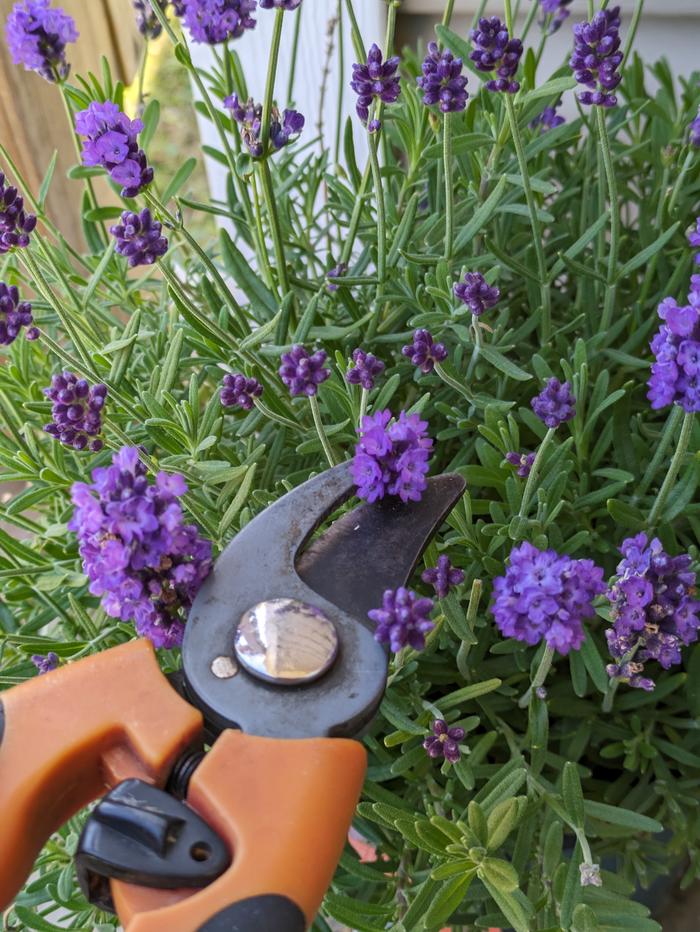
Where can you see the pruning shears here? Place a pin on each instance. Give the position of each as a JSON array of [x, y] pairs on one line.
[[280, 674]]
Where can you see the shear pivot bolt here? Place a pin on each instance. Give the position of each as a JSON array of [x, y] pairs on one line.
[[224, 668], [285, 641]]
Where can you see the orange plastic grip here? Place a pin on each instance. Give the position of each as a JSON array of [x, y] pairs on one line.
[[71, 734], [283, 806]]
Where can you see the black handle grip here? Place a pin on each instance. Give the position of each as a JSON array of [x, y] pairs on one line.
[[258, 914]]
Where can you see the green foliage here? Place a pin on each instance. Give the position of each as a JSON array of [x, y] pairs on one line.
[[498, 838]]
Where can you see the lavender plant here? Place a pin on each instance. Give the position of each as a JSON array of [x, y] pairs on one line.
[[499, 292]]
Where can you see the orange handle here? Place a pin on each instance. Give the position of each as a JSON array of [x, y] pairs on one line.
[[284, 807], [71, 734]]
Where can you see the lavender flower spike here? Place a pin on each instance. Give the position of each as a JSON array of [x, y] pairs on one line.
[[442, 81], [364, 369], [287, 5], [424, 352], [675, 374], [403, 619], [45, 664], [444, 741], [597, 57], [37, 35], [548, 119], [111, 140], [443, 576], [76, 412], [140, 557], [215, 21], [302, 372], [524, 462], [14, 314], [555, 403], [238, 391], [391, 458], [694, 130], [558, 10], [476, 293], [494, 50], [284, 128], [139, 238], [15, 223], [375, 80], [147, 22]]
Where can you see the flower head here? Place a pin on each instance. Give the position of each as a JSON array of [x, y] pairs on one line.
[[76, 411], [444, 741], [111, 140], [140, 557], [391, 457], [15, 223], [403, 619], [476, 293], [45, 664], [139, 238], [443, 576], [557, 10], [375, 80], [545, 596], [523, 461], [694, 130], [215, 21], [694, 239], [654, 610], [284, 128], [14, 314], [288, 5], [675, 374], [147, 22], [442, 81], [37, 35], [555, 403], [238, 391], [302, 372], [548, 119], [494, 50], [364, 369], [597, 57], [423, 352]]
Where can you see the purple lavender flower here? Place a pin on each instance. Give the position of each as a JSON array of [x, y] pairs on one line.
[[302, 372], [555, 403], [654, 611], [15, 223], [45, 664], [391, 459], [442, 81], [14, 314], [111, 140], [141, 558], [548, 119], [403, 619], [694, 239], [423, 352], [597, 56], [288, 5], [364, 369], [558, 10], [147, 22], [544, 595], [675, 374], [476, 293], [694, 130], [76, 411], [494, 50], [215, 21], [337, 271], [443, 576], [444, 741], [37, 35], [523, 461], [284, 128], [238, 391], [376, 80], [139, 238]]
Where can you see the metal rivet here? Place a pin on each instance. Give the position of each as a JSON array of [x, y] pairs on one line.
[[285, 641], [224, 667]]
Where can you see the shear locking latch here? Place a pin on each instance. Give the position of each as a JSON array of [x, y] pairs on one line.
[[142, 835]]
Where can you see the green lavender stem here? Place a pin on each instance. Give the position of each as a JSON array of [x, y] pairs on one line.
[[275, 228], [381, 213], [449, 189], [673, 469], [318, 423], [532, 479], [539, 677], [364, 398], [632, 32], [611, 286], [270, 82], [660, 451], [447, 14], [534, 220]]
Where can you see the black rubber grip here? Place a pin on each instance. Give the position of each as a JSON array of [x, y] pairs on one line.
[[269, 913]]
